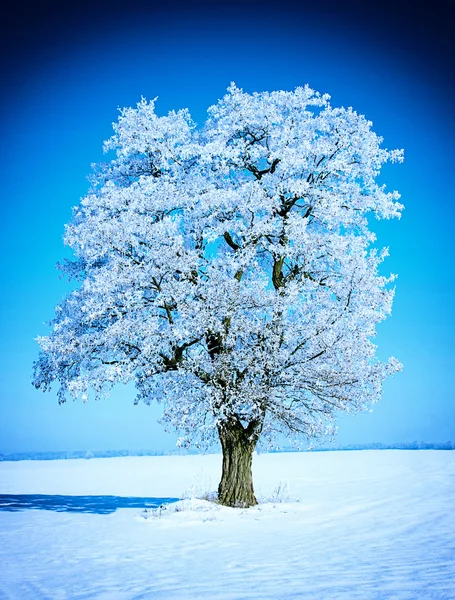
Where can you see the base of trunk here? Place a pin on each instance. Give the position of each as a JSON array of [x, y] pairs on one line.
[[236, 485]]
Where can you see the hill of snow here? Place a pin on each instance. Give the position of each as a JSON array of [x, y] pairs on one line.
[[360, 525]]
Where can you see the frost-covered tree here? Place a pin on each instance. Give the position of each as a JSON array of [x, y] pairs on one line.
[[228, 271]]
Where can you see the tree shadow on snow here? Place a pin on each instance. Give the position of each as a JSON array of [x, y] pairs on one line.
[[100, 505]]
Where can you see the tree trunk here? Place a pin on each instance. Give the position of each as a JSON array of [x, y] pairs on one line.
[[238, 444]]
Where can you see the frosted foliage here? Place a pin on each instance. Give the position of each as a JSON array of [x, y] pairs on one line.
[[228, 270]]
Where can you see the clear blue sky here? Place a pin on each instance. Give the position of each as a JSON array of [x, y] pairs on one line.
[[64, 73]]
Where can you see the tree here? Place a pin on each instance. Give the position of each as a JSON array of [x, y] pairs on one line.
[[228, 271]]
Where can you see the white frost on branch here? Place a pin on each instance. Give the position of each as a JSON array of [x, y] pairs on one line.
[[228, 271]]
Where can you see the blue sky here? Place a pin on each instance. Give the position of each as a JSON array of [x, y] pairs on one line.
[[64, 75]]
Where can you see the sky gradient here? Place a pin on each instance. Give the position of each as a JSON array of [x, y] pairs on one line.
[[64, 74]]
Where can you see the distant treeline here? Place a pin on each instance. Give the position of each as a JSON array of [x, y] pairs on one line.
[[87, 454], [380, 446]]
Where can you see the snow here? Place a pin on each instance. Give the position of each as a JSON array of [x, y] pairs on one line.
[[366, 525]]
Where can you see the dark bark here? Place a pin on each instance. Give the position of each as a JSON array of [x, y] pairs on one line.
[[238, 444]]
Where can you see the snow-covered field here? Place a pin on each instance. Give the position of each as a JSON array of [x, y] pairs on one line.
[[363, 525]]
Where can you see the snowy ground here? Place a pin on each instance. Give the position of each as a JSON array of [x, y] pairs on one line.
[[363, 525]]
